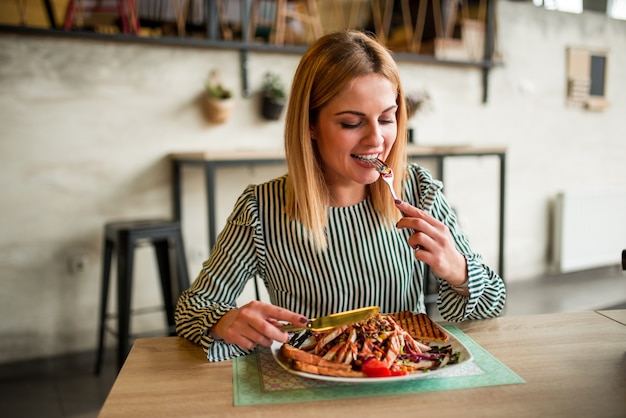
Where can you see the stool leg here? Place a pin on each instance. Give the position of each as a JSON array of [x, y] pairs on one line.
[[124, 287], [163, 260], [183, 273], [104, 299]]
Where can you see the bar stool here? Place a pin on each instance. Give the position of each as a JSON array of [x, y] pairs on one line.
[[123, 237]]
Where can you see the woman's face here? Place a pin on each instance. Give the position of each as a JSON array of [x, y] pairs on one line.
[[360, 120]]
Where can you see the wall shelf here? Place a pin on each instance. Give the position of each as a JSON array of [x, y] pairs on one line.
[[212, 40]]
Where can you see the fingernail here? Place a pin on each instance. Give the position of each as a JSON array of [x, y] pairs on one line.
[[303, 320], [397, 201]]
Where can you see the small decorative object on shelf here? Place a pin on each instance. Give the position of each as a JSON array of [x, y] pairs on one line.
[[273, 96], [218, 100], [416, 102]]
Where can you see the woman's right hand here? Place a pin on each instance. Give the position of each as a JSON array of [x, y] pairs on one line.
[[255, 323]]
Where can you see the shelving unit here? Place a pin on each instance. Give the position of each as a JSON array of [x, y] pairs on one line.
[[215, 31]]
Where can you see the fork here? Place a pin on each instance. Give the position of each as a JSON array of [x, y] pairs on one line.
[[385, 173]]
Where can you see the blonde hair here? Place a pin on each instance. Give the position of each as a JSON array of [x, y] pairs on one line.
[[331, 62]]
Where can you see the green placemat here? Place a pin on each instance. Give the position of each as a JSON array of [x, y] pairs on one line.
[[259, 380]]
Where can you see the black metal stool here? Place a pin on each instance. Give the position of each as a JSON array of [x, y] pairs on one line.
[[123, 237]]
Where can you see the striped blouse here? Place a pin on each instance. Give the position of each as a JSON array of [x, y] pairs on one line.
[[366, 263]]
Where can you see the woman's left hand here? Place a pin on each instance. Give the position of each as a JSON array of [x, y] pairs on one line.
[[433, 244]]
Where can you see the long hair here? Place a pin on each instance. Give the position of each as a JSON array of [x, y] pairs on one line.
[[331, 62]]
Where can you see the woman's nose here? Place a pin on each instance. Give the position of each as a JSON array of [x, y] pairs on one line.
[[374, 134]]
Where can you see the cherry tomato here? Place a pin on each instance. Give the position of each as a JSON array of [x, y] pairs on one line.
[[375, 368]]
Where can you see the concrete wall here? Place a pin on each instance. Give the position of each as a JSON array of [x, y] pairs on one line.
[[86, 127]]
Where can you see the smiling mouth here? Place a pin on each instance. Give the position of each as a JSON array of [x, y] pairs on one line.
[[370, 158]]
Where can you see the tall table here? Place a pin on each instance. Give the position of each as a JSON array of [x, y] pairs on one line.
[[573, 365], [212, 161]]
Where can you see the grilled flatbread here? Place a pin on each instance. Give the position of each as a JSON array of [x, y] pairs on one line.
[[419, 326]]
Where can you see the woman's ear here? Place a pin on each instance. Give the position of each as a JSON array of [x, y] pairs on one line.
[[312, 132]]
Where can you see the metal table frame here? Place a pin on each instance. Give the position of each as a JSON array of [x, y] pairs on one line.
[[211, 162]]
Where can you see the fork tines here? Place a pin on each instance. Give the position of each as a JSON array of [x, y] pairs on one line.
[[380, 166]]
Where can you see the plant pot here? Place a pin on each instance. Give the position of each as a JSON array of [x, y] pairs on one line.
[[411, 136], [218, 110], [272, 108]]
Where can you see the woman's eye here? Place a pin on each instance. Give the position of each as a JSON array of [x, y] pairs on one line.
[[387, 120], [383, 120]]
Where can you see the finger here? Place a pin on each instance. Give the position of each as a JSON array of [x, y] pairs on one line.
[[415, 242], [258, 323], [422, 254], [247, 344], [253, 336], [274, 322], [265, 333], [240, 334], [418, 253], [412, 211], [422, 242], [422, 233], [267, 342], [406, 208], [277, 313]]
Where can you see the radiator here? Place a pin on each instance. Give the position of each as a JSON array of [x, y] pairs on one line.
[[589, 229]]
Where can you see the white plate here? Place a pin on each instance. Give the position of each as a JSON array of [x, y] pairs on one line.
[[464, 357]]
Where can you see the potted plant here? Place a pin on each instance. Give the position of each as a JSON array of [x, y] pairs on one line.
[[218, 100], [416, 101], [273, 96]]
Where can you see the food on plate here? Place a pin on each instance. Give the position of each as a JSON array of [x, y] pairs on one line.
[[312, 363], [420, 326], [325, 371], [376, 347], [304, 357]]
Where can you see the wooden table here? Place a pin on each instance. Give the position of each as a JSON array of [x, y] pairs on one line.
[[618, 315], [574, 365], [212, 161]]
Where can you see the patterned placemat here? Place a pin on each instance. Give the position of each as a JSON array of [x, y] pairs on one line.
[[258, 379]]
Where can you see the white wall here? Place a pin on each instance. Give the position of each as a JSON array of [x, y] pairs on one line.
[[86, 126]]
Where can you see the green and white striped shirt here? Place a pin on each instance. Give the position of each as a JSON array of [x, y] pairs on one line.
[[366, 263]]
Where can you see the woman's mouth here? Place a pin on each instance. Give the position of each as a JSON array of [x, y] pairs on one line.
[[368, 158]]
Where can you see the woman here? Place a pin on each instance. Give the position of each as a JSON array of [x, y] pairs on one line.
[[327, 236]]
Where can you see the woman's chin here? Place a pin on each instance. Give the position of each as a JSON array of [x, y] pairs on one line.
[[370, 179]]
